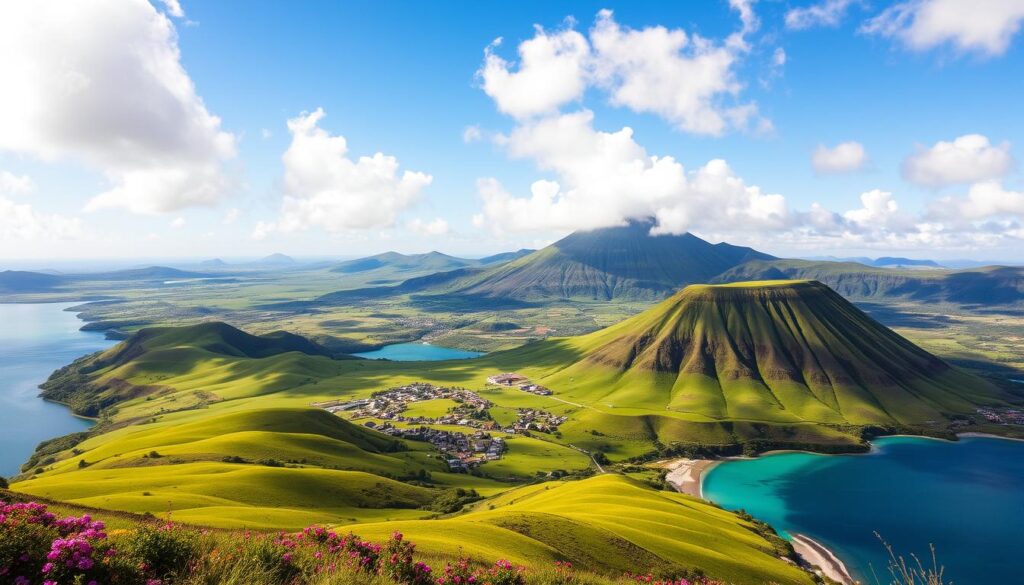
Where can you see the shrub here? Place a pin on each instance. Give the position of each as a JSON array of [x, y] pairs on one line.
[[397, 563], [461, 573], [160, 552], [35, 544], [504, 573]]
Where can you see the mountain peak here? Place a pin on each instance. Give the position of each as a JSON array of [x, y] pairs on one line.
[[770, 350], [614, 262]]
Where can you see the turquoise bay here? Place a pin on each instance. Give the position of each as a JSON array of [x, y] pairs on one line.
[[417, 352], [35, 340], [964, 497]]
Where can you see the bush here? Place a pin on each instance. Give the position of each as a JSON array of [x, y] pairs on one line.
[[35, 545], [397, 563], [160, 552], [3, 483]]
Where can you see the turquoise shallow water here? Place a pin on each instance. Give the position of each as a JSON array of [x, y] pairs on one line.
[[422, 352], [966, 498], [35, 340]]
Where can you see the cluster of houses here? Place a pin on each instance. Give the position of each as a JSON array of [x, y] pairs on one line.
[[1003, 416], [461, 451], [512, 379], [532, 419], [390, 404]]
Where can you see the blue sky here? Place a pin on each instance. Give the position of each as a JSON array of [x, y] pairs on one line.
[[902, 80]]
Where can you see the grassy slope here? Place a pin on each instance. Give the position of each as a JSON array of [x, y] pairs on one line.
[[607, 521], [772, 351], [608, 524]]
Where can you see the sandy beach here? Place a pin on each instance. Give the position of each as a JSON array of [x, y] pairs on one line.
[[816, 555], [685, 474]]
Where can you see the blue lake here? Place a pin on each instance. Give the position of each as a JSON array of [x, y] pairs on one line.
[[417, 352], [966, 498], [35, 340]]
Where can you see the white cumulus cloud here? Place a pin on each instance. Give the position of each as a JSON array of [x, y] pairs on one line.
[[983, 26], [682, 77], [967, 159], [607, 178], [326, 188], [823, 13], [844, 157], [551, 72], [985, 200], [101, 81]]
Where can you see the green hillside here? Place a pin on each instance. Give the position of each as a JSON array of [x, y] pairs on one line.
[[96, 382], [610, 522], [986, 286], [784, 352], [604, 526]]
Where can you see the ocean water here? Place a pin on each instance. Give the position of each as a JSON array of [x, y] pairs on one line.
[[418, 352], [35, 340], [965, 498]]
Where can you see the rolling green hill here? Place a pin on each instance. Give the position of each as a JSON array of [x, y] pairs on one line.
[[609, 522], [784, 352], [986, 286], [95, 382]]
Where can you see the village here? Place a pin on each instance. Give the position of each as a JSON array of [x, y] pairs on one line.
[[462, 451], [520, 381], [1002, 416]]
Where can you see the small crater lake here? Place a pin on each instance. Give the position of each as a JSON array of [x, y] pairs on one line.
[[963, 497], [35, 340], [417, 352]]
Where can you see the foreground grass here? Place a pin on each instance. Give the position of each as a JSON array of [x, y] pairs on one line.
[[608, 524]]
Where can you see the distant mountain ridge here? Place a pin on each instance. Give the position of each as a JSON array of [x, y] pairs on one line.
[[610, 263], [991, 285], [435, 261]]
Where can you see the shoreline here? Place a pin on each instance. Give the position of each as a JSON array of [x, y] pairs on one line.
[[814, 554], [687, 475]]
